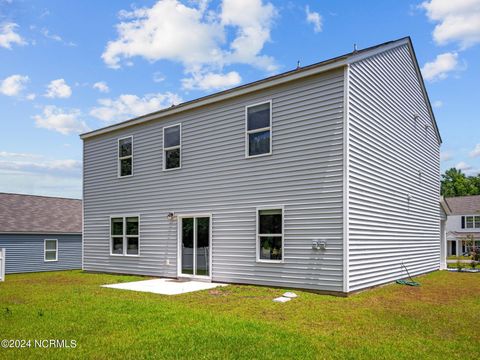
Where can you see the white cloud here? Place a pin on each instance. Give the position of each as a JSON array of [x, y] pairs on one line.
[[462, 165], [440, 67], [127, 106], [446, 156], [168, 30], [211, 81], [37, 174], [203, 40], [253, 21], [158, 77], [437, 104], [45, 32], [314, 18], [31, 96], [50, 36], [8, 36], [63, 121], [101, 86], [457, 21], [13, 85], [35, 162], [18, 156], [476, 151], [58, 89]]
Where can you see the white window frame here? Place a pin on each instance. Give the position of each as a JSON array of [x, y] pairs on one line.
[[124, 235], [120, 158], [258, 235], [45, 250], [165, 149], [474, 223], [248, 132]]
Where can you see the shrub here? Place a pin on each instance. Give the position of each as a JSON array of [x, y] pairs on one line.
[[459, 265]]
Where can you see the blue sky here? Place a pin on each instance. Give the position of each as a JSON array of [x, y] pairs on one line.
[[70, 66]]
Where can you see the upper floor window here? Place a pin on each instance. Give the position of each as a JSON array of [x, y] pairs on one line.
[[124, 235], [172, 147], [258, 137], [470, 222], [125, 156]]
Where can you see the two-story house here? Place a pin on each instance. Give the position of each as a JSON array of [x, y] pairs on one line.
[[463, 224], [325, 177]]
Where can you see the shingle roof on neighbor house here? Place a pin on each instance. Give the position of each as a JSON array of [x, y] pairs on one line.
[[39, 214], [464, 205]]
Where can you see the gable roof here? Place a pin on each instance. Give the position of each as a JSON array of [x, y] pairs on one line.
[[39, 214], [464, 205], [291, 75]]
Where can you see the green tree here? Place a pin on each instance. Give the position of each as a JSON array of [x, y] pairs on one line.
[[456, 183]]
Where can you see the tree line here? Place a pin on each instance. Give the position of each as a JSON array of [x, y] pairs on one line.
[[456, 183]]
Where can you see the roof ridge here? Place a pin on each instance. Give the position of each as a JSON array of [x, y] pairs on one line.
[[462, 196], [216, 95]]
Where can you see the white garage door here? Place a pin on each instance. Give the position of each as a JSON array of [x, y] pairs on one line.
[[2, 264]]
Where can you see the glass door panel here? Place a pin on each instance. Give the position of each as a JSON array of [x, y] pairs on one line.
[[195, 241], [187, 245], [202, 247]]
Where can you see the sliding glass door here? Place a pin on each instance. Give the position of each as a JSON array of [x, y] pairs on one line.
[[195, 246]]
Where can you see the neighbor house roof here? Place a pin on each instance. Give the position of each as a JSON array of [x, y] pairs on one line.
[[464, 205], [282, 78], [39, 214]]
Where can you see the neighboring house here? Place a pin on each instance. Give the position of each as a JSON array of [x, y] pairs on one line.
[[463, 224], [40, 233], [324, 178]]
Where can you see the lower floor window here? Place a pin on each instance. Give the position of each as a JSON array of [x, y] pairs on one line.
[[270, 234], [124, 232], [51, 250]]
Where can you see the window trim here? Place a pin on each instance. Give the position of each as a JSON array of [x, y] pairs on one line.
[[119, 159], [45, 250], [258, 235], [165, 149], [124, 235], [248, 132], [463, 221]]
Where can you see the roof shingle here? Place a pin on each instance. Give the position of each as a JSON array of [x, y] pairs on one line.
[[39, 214], [464, 205]]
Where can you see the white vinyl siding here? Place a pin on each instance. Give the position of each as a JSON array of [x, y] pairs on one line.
[[393, 172], [304, 173]]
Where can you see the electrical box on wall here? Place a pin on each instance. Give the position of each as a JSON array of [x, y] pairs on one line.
[[319, 244]]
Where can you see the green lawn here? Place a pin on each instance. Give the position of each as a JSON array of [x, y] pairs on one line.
[[440, 319], [453, 257], [462, 265]]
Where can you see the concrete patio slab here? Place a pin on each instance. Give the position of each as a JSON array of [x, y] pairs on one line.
[[165, 286]]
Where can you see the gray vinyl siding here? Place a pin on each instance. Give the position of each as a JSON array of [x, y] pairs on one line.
[[304, 174], [25, 252], [387, 149]]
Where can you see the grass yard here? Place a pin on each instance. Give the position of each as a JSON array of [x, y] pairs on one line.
[[453, 257], [462, 266], [439, 320]]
